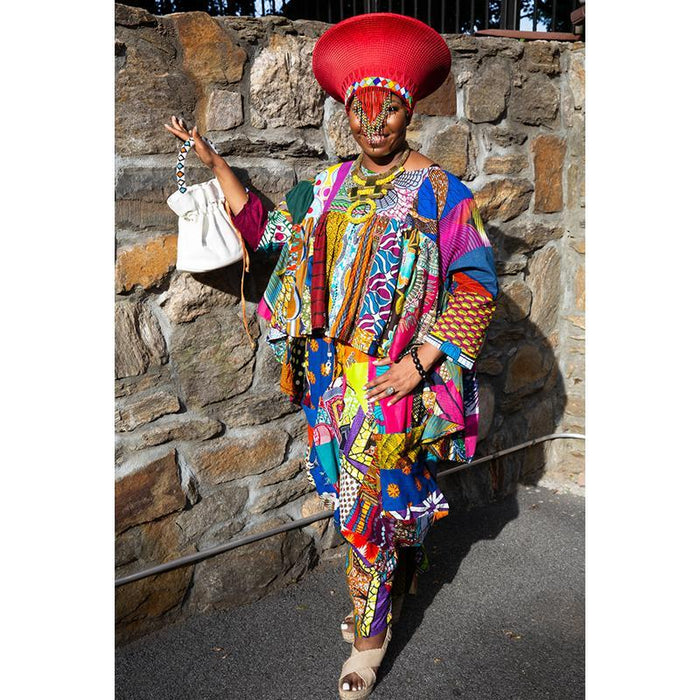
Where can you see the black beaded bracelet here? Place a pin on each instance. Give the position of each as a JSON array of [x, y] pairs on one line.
[[419, 366]]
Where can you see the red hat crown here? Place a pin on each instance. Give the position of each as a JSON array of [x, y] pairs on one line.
[[382, 49]]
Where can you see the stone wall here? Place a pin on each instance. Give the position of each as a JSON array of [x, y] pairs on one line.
[[207, 448]]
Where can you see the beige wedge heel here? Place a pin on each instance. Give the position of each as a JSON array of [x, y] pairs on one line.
[[365, 664]]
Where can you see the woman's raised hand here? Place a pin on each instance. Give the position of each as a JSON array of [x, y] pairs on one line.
[[235, 193], [178, 128]]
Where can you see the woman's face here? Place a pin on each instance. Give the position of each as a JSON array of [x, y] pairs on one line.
[[392, 136]]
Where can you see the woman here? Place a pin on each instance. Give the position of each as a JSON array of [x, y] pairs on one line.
[[377, 309]]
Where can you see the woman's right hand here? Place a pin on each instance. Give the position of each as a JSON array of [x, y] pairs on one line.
[[178, 128], [234, 192]]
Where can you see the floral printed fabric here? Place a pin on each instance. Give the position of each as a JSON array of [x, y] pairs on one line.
[[342, 294]]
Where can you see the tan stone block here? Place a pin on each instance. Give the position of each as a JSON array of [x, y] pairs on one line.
[[548, 155], [503, 200], [282, 493], [283, 90], [284, 472], [140, 410], [415, 133], [573, 424], [190, 296], [255, 409], [228, 458], [542, 57], [208, 54], [215, 518], [512, 266], [516, 298], [146, 264], [530, 235], [211, 357], [505, 165], [567, 106], [148, 492], [127, 16], [338, 132], [577, 78], [487, 95], [313, 505], [139, 342], [141, 605], [576, 137], [544, 279], [566, 458], [535, 102], [449, 149], [505, 136], [578, 320], [577, 347], [183, 426], [575, 369], [527, 367], [575, 405], [248, 573], [443, 102], [580, 288], [149, 87], [224, 110], [135, 385]]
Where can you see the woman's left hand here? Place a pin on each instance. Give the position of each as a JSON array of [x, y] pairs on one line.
[[401, 376]]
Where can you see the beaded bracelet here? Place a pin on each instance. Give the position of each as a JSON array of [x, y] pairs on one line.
[[419, 366]]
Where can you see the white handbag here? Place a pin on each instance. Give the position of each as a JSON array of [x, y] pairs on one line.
[[206, 239]]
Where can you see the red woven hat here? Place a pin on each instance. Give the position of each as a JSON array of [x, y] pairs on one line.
[[381, 49]]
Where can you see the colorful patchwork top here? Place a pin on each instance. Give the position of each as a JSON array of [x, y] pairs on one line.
[[420, 268]]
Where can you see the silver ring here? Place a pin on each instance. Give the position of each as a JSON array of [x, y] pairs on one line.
[[390, 390]]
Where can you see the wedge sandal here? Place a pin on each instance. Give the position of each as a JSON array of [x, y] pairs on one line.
[[364, 664]]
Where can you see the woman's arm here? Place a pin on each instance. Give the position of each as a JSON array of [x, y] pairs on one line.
[[248, 214], [234, 191], [471, 285]]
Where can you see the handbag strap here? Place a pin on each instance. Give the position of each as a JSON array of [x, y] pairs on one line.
[[182, 154], [245, 268]]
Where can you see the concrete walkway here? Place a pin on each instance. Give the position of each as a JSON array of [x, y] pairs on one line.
[[500, 615]]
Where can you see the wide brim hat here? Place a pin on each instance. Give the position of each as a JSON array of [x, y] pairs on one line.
[[382, 49]]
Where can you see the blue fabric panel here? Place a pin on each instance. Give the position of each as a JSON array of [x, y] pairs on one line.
[[456, 192], [480, 266]]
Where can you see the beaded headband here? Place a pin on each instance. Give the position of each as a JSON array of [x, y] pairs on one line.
[[375, 81]]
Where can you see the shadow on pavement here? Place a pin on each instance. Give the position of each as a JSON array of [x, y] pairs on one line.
[[448, 543]]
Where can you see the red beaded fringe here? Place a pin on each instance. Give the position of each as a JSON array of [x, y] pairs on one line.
[[372, 98]]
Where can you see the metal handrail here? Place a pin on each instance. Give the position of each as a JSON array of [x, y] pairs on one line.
[[233, 544]]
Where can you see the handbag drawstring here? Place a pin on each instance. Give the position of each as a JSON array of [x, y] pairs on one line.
[[246, 266]]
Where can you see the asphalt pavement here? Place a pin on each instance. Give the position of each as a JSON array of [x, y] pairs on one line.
[[499, 615]]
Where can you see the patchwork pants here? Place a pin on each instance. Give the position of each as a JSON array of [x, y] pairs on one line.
[[374, 588]]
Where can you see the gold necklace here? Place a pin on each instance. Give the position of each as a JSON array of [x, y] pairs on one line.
[[371, 187]]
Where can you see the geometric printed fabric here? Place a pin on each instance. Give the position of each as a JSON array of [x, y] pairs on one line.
[[420, 269]]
